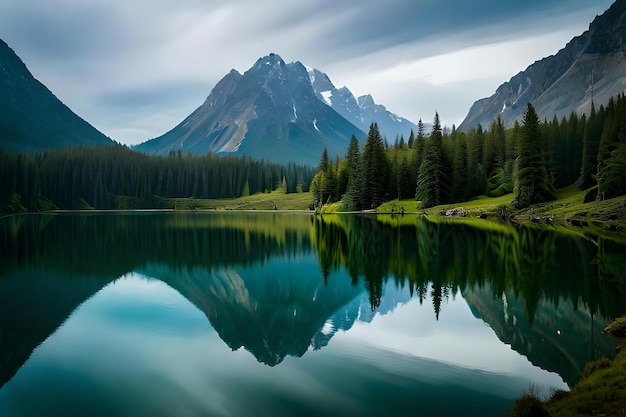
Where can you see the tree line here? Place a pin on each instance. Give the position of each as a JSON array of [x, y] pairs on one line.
[[530, 159], [116, 177]]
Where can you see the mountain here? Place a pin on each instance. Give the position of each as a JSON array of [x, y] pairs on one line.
[[561, 338], [31, 117], [361, 111], [590, 64], [269, 112]]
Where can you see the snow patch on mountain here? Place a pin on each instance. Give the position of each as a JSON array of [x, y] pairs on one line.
[[326, 95]]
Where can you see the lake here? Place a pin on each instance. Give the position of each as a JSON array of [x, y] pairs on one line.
[[273, 314]]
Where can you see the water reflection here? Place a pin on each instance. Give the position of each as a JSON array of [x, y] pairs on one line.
[[544, 293], [281, 285]]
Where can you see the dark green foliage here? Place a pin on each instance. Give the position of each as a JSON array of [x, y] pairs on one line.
[[411, 140], [459, 169], [566, 147], [405, 181], [531, 160], [99, 176], [533, 262], [612, 151], [430, 179], [591, 143], [476, 176], [533, 182], [418, 146], [493, 150], [528, 406], [613, 175], [375, 170], [353, 199], [324, 160]]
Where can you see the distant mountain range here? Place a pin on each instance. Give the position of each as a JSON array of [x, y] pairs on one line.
[[31, 117], [288, 112], [280, 112], [361, 111], [592, 64]]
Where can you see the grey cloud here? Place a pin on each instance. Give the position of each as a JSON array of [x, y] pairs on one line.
[[170, 94], [144, 57]]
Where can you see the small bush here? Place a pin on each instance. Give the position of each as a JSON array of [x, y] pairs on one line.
[[559, 395], [594, 366], [528, 405], [503, 211]]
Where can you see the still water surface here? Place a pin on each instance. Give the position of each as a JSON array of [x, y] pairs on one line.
[[233, 314]]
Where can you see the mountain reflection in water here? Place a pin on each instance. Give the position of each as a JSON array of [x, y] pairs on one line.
[[281, 285]]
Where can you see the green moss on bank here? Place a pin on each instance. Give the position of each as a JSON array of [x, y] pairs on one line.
[[261, 201], [601, 390], [569, 211]]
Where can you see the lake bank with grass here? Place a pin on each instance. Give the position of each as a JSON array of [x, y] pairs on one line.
[[569, 210], [601, 390]]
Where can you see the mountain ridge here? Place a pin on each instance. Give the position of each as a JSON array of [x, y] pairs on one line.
[[590, 64], [360, 111], [268, 112], [279, 112], [32, 118]]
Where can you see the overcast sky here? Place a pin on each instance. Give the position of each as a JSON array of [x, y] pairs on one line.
[[136, 68]]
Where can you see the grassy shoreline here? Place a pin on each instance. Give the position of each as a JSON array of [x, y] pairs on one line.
[[601, 390], [569, 211]]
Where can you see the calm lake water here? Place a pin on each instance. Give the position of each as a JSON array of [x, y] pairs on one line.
[[236, 314]]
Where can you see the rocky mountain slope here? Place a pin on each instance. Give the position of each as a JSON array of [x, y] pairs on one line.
[[279, 112], [361, 111], [270, 112], [31, 117], [592, 64]]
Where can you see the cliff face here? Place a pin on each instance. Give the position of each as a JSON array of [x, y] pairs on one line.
[[269, 112], [592, 63]]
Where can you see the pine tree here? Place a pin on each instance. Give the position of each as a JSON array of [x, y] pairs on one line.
[[429, 181], [324, 160], [375, 169], [591, 141], [418, 146], [532, 180], [459, 169], [411, 140], [612, 151], [354, 196], [404, 179]]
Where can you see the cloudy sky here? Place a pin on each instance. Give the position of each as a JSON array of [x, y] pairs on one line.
[[135, 69]]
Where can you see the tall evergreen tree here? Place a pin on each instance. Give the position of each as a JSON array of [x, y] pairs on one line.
[[429, 181], [532, 179], [353, 199], [418, 145], [375, 169], [459, 169], [591, 142], [411, 140], [324, 160], [612, 151]]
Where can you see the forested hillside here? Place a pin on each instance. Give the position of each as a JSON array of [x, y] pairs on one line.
[[531, 159], [115, 177]]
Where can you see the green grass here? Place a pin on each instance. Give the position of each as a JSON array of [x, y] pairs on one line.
[[601, 390], [475, 206], [600, 218], [261, 201], [569, 212]]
